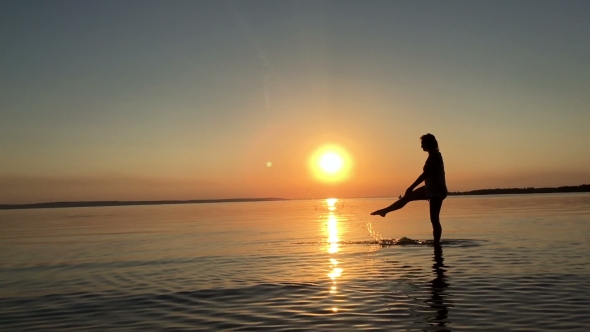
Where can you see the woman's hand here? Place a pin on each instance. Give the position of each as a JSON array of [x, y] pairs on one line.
[[408, 191]]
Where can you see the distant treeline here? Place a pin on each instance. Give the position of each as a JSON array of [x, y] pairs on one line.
[[501, 191], [54, 205]]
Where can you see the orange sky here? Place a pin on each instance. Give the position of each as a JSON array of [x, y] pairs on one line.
[[102, 104]]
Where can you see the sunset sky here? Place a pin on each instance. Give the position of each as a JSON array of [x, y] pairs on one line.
[[135, 100]]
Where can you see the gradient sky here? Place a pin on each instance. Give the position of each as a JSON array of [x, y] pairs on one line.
[[135, 100]]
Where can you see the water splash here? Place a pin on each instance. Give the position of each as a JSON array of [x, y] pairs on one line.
[[355, 218], [459, 243]]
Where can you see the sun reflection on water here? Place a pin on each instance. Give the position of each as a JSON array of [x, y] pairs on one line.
[[331, 203], [333, 239], [333, 246]]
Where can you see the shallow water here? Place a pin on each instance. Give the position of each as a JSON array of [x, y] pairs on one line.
[[507, 263]]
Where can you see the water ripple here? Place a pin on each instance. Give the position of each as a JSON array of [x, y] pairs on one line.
[[163, 271]]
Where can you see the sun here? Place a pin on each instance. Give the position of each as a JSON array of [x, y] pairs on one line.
[[330, 163]]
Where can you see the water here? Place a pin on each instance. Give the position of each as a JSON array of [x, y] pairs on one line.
[[508, 263]]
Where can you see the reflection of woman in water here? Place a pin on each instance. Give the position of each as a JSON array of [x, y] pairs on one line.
[[434, 189], [439, 301]]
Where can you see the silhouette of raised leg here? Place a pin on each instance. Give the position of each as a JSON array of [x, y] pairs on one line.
[[395, 206]]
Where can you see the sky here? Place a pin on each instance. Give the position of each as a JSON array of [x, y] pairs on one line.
[[143, 100]]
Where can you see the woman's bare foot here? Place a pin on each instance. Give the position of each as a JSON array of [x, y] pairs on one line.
[[379, 213]]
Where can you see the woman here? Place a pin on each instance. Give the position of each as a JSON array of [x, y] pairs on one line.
[[434, 189]]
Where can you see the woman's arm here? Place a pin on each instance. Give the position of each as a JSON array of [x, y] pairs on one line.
[[416, 183]]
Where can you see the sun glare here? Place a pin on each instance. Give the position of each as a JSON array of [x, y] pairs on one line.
[[330, 163]]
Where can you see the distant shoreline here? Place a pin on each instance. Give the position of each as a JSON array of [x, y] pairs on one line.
[[503, 191], [56, 205]]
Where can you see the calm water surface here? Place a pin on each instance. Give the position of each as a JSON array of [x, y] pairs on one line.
[[507, 263]]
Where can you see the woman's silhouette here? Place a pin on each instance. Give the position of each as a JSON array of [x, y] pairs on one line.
[[434, 189]]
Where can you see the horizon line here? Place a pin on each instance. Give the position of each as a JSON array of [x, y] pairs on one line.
[[477, 192]]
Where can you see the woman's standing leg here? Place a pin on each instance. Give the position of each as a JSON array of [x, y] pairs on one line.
[[435, 206]]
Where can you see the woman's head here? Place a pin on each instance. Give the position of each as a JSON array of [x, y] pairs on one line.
[[429, 143]]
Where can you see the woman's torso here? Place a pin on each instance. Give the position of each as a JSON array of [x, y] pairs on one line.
[[435, 182]]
